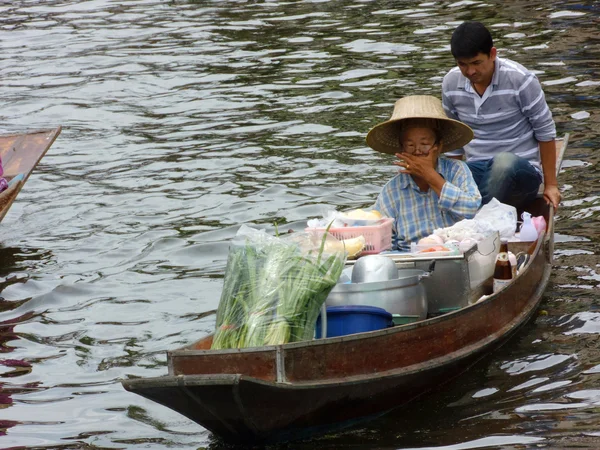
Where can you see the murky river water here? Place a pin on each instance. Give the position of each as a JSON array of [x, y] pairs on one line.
[[183, 120]]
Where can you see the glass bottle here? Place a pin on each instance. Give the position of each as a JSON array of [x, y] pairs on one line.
[[503, 270]]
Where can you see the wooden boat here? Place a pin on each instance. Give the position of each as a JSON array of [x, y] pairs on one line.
[[20, 154], [295, 390]]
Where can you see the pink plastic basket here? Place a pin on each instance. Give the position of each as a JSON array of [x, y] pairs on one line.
[[378, 238]]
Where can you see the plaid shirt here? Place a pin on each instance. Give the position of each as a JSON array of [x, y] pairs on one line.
[[418, 213]]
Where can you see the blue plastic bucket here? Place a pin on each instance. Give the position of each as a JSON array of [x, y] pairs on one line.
[[350, 319]]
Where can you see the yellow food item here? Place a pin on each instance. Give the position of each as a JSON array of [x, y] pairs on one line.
[[352, 246], [360, 214]]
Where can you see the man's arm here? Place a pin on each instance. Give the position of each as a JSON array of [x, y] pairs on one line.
[[535, 108], [548, 159]]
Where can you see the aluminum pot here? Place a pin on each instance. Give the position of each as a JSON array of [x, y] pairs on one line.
[[371, 268], [405, 295]]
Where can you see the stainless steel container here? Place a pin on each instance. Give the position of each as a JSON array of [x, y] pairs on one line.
[[458, 280], [372, 268], [405, 295]]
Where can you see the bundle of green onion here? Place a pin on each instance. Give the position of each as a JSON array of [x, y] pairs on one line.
[[273, 292]]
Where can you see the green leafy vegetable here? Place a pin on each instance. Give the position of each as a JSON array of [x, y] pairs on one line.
[[273, 292]]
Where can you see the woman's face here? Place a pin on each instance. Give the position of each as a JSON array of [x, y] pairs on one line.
[[418, 141]]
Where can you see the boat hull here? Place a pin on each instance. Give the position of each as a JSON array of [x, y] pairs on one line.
[[242, 409]]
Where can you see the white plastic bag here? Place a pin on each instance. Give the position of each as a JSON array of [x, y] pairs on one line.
[[500, 216], [465, 229]]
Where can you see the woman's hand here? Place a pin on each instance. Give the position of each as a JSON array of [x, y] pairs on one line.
[[420, 166]]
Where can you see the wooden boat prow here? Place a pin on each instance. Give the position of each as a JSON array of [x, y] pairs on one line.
[[20, 155], [277, 393]]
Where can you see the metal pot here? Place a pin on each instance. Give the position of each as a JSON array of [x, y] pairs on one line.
[[371, 268], [404, 295]]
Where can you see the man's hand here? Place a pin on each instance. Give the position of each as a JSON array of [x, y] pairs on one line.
[[548, 159], [552, 195]]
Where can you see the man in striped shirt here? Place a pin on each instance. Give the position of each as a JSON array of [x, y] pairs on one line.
[[514, 147]]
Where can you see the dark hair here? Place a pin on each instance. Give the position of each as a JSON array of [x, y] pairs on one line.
[[469, 39]]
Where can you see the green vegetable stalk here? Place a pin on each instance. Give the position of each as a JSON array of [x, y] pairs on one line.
[[273, 292]]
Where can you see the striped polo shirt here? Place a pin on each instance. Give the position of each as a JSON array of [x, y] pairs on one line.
[[511, 116]]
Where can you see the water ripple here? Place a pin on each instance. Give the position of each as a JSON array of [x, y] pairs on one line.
[[184, 119]]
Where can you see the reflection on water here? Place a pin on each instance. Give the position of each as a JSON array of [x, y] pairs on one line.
[[184, 119]]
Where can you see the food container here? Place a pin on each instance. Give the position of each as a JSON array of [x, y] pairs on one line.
[[470, 272], [482, 260], [372, 268], [404, 295], [344, 320], [378, 238], [429, 250]]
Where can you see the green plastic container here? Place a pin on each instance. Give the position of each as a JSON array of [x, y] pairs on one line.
[[443, 311], [399, 319]]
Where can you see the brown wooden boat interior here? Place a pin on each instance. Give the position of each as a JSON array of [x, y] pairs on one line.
[[407, 347], [537, 208], [412, 346]]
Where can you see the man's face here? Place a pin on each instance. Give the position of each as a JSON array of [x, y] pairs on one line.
[[479, 69]]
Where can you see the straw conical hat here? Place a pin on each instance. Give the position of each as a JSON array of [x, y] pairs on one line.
[[385, 137]]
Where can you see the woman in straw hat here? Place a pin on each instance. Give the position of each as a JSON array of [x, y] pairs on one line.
[[429, 192]]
